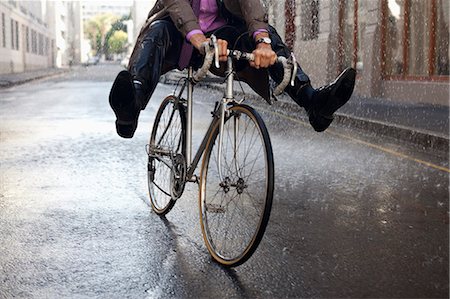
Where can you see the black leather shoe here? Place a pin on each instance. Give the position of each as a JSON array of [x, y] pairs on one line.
[[123, 101], [329, 98]]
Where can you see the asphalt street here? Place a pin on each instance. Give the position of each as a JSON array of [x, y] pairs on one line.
[[355, 214]]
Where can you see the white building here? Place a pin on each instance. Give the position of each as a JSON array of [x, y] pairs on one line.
[[39, 34], [139, 14], [97, 7], [25, 37], [65, 19]]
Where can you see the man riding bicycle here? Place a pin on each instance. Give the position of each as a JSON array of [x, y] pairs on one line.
[[173, 37]]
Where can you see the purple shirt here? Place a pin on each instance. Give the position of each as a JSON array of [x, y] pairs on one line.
[[209, 19]]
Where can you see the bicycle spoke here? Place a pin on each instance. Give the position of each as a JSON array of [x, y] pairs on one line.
[[167, 127], [160, 189]]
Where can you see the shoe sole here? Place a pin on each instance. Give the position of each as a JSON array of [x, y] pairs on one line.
[[319, 123], [121, 95], [345, 83]]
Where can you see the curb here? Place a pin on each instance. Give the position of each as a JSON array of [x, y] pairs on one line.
[[423, 139], [25, 79]]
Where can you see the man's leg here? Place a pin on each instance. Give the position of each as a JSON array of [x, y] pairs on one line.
[[320, 103], [131, 91]]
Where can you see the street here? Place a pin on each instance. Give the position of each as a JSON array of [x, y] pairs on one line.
[[354, 214]]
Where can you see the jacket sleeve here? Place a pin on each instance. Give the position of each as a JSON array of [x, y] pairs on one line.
[[182, 15], [254, 14]]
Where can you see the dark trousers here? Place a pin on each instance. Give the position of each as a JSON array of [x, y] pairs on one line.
[[159, 52]]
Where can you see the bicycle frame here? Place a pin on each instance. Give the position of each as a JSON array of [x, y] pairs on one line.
[[221, 110], [219, 114]]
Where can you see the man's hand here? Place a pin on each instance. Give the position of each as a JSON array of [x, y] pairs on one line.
[[197, 41], [264, 56]]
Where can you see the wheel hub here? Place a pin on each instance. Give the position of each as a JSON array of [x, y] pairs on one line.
[[240, 186], [178, 175]]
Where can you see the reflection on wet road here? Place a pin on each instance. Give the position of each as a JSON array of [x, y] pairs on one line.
[[354, 215]]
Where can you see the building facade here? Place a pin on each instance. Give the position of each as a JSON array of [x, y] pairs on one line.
[[399, 47], [25, 36], [64, 18], [139, 13], [39, 34], [117, 7]]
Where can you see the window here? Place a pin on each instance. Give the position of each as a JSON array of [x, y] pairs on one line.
[[47, 45], [361, 17], [347, 29], [289, 8], [27, 39], [17, 35], [352, 25], [33, 42], [416, 38], [441, 55], [3, 31], [14, 35], [310, 19], [41, 44], [13, 46]]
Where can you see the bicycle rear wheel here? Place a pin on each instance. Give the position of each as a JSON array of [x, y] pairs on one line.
[[166, 156], [236, 188]]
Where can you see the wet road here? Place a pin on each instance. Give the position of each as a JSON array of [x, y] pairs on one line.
[[354, 215]]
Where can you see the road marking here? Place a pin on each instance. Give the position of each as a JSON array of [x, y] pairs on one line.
[[378, 147]]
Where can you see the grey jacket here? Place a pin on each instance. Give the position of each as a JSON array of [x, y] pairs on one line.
[[250, 11]]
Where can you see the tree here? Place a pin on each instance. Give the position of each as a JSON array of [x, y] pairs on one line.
[[96, 30], [117, 42], [119, 25]]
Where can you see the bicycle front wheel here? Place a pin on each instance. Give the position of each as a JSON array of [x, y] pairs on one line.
[[166, 156], [236, 187]]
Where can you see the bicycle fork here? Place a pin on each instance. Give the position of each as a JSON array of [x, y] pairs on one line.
[[222, 114], [228, 97]]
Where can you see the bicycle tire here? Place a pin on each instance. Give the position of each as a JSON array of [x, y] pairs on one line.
[[226, 216], [165, 173]]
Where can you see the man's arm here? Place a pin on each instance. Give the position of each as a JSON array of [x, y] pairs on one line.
[[256, 19], [252, 11], [182, 15]]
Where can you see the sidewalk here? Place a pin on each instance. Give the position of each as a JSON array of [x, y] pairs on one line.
[[7, 80], [424, 125]]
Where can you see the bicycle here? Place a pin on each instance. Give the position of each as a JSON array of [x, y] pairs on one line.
[[236, 181]]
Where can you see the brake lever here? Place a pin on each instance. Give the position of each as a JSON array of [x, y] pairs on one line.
[[216, 50], [210, 48], [294, 69]]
